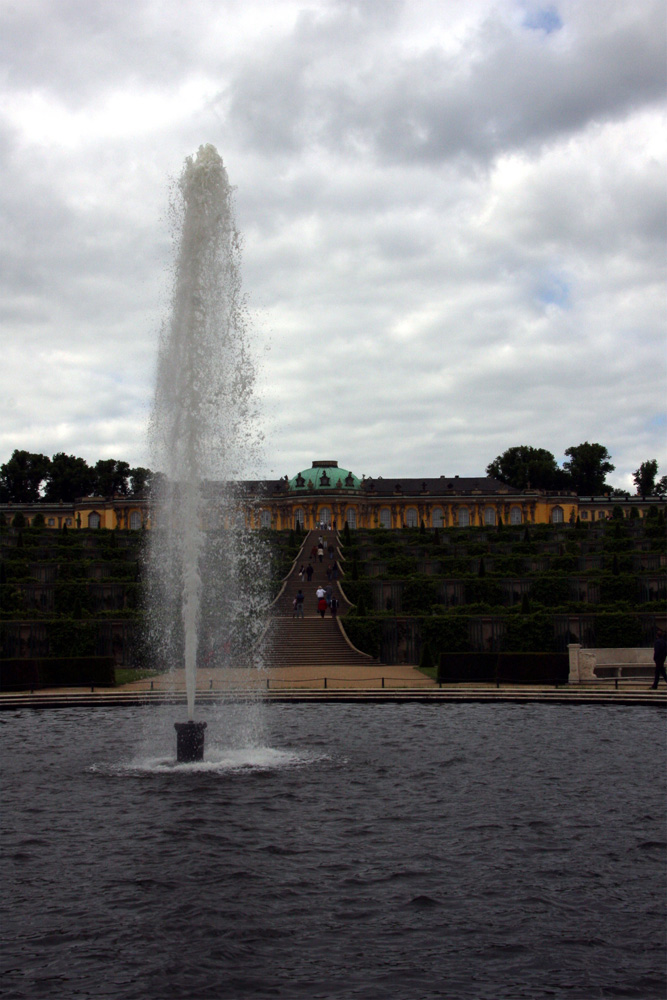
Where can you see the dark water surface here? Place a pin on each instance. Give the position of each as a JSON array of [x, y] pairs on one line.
[[355, 851]]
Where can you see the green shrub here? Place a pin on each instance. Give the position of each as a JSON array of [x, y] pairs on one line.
[[418, 595], [550, 590], [483, 590], [67, 595], [618, 629], [445, 633], [71, 638], [528, 633], [401, 565], [621, 587], [358, 590], [364, 633]]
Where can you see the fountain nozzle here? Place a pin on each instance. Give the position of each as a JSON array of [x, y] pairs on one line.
[[189, 741]]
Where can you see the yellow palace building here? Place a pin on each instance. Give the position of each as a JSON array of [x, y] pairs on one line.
[[327, 495]]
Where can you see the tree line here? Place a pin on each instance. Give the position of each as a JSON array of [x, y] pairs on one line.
[[584, 471], [29, 478]]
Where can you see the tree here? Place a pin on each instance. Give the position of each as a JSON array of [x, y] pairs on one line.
[[21, 478], [524, 466], [69, 477], [111, 477], [661, 487], [644, 478], [141, 480], [588, 467]]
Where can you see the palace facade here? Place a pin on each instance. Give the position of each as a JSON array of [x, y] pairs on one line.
[[328, 495]]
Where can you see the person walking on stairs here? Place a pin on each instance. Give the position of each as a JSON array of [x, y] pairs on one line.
[[298, 604]]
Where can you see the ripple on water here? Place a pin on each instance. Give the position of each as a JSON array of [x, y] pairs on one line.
[[336, 860]]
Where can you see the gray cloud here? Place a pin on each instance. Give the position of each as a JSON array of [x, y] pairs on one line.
[[453, 219]]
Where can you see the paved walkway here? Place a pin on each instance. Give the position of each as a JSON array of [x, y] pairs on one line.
[[300, 684]]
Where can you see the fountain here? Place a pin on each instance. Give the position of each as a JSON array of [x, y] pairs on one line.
[[202, 430]]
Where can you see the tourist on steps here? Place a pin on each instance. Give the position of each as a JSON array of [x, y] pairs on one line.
[[298, 604], [321, 600]]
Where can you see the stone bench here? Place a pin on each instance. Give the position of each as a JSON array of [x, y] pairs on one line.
[[623, 663], [627, 671]]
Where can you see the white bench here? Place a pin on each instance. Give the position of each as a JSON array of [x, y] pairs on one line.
[[628, 662]]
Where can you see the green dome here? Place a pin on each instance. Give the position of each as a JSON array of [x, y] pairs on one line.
[[324, 475]]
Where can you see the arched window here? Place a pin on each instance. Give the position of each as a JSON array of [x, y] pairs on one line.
[[325, 516], [265, 519], [351, 517], [464, 517], [298, 517], [584, 515], [411, 517], [515, 515], [438, 517], [93, 520], [385, 518], [135, 520], [557, 515], [489, 515], [51, 522]]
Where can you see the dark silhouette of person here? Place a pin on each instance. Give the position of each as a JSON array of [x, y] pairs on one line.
[[298, 603], [309, 571], [659, 657]]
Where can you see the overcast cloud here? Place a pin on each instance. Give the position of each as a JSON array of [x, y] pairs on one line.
[[453, 219]]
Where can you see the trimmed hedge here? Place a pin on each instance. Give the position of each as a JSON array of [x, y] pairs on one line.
[[70, 671], [533, 668], [473, 668], [503, 668]]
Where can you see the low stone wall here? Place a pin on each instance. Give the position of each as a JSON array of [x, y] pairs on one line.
[[596, 664]]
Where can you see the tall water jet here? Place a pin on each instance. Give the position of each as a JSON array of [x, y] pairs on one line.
[[202, 430]]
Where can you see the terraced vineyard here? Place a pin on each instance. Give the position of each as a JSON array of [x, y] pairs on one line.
[[534, 588]]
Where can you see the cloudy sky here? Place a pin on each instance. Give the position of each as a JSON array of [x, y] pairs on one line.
[[453, 217]]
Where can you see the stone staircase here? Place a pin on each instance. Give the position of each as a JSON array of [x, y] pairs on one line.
[[310, 641]]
